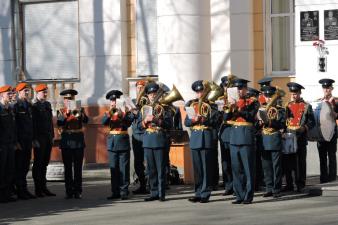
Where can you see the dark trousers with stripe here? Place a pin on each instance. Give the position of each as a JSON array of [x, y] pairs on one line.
[[243, 170], [119, 162], [156, 167]]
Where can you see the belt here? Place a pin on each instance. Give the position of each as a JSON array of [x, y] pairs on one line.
[[293, 127], [118, 132], [153, 129], [200, 127], [71, 131], [269, 131], [242, 124], [229, 122]]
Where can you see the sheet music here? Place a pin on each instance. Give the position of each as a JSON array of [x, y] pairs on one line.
[[120, 104], [147, 111], [220, 104], [232, 94], [190, 112], [71, 104]]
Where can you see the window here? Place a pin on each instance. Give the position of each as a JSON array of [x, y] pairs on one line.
[[279, 39], [146, 28], [50, 40]]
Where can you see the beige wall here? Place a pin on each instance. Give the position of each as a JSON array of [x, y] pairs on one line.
[[258, 29]]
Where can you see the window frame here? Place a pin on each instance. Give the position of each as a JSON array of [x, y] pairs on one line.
[[20, 42], [268, 39]]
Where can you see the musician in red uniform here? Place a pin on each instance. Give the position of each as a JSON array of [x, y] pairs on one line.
[[327, 149], [299, 119]]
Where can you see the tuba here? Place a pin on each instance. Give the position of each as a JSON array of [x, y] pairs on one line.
[[215, 93], [141, 99], [172, 96], [158, 109], [230, 84], [204, 108], [270, 108]]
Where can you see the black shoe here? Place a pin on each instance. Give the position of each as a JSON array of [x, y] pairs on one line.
[[39, 194], [167, 187], [30, 195], [277, 195], [141, 191], [112, 197], [204, 200], [68, 196], [267, 194], [194, 199], [77, 196], [162, 199], [48, 193], [287, 189], [124, 197], [247, 202], [151, 199], [237, 202], [23, 196], [300, 189], [228, 192], [11, 199]]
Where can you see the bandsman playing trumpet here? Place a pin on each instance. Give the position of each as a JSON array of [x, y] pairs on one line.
[[70, 122], [272, 125], [154, 121], [118, 145], [242, 142], [327, 149], [299, 119], [202, 140]]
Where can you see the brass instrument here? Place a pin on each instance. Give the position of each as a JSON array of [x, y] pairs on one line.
[[215, 93], [158, 109], [204, 108], [141, 99], [172, 96], [230, 84], [270, 108]]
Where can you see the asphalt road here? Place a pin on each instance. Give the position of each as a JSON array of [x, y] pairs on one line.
[[94, 209]]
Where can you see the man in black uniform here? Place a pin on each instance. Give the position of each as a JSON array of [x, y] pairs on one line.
[[327, 149], [24, 124], [8, 142], [43, 139], [72, 144]]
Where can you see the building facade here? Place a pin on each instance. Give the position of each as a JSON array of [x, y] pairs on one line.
[[99, 45]]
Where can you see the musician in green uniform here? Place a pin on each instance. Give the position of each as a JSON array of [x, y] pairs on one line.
[[272, 124], [202, 140], [118, 120], [70, 120]]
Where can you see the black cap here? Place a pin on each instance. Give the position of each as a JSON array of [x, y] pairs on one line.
[[224, 81], [151, 87], [68, 93], [253, 92], [294, 87], [113, 94], [240, 83], [197, 86], [268, 90], [326, 82], [264, 82]]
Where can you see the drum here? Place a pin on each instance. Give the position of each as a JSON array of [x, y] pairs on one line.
[[325, 123], [289, 143]]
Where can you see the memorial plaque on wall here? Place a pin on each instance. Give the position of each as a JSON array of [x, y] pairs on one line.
[[309, 25], [331, 24]]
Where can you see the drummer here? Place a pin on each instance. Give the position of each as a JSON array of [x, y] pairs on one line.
[[327, 149], [299, 119]]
